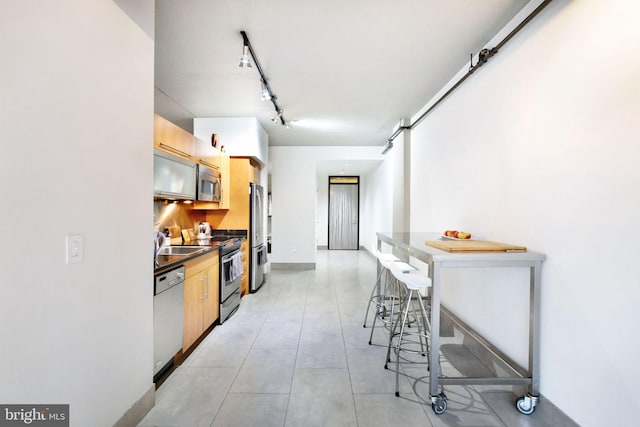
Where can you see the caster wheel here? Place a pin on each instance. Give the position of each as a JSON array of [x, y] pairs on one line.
[[369, 342], [440, 405], [525, 406], [385, 366], [397, 394]]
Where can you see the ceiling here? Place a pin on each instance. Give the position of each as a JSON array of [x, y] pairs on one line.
[[344, 71]]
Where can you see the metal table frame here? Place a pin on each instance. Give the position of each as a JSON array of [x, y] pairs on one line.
[[413, 245]]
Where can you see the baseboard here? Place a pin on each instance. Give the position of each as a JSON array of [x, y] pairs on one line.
[[138, 410], [325, 248], [293, 266], [371, 254]]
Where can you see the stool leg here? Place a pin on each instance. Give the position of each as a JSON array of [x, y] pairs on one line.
[[420, 323], [373, 291], [379, 313], [393, 324], [427, 327], [404, 321]]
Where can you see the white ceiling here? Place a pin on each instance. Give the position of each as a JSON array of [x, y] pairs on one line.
[[344, 71]]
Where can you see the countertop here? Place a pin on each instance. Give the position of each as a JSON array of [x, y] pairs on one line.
[[167, 262], [414, 243]]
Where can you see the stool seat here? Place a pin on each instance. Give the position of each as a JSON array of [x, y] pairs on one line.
[[384, 294], [415, 280], [386, 257], [385, 263], [401, 267]]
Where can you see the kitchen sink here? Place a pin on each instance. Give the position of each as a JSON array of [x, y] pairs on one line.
[[181, 250]]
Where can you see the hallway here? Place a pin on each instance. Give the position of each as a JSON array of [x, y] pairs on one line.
[[296, 354]]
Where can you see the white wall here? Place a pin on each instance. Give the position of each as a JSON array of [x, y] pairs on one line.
[[240, 136], [322, 213], [293, 205], [296, 191], [77, 135], [540, 148], [382, 198]]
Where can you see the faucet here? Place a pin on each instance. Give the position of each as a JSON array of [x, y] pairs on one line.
[[159, 240]]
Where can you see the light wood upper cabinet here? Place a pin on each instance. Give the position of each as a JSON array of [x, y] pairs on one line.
[[173, 139], [254, 177]]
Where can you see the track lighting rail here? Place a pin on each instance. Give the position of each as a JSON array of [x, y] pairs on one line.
[[265, 84]]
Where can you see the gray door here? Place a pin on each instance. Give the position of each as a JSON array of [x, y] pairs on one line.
[[343, 216]]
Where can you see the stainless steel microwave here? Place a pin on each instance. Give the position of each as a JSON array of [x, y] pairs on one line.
[[209, 186]]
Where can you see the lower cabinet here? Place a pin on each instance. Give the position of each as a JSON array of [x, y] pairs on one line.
[[201, 297]]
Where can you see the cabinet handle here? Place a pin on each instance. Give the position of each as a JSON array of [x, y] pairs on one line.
[[175, 150], [206, 287], [211, 165]]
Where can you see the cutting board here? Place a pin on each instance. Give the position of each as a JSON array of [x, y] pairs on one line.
[[474, 246]]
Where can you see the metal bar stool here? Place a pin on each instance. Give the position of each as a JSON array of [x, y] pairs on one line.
[[385, 295], [384, 260], [412, 283]]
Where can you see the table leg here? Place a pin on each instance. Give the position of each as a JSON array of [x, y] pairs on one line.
[[534, 328], [435, 330]]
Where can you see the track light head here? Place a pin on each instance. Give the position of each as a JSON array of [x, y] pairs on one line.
[[266, 94], [244, 59]]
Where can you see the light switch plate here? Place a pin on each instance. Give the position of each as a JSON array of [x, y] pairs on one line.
[[74, 249]]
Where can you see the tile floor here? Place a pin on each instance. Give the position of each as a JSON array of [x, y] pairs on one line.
[[296, 354]]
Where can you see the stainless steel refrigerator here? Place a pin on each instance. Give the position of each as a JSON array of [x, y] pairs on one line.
[[257, 240]]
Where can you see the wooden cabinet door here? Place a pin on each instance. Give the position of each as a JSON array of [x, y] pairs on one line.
[[211, 301], [201, 297], [193, 310], [225, 177], [173, 139], [244, 280]]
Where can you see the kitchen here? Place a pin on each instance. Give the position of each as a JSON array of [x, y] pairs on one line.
[[71, 132], [209, 208]]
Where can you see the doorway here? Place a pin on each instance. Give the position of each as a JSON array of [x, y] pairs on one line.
[[344, 212]]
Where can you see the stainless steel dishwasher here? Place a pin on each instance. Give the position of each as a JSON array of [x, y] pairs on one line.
[[168, 311]]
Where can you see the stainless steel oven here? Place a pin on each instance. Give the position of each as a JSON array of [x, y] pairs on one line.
[[231, 269]]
